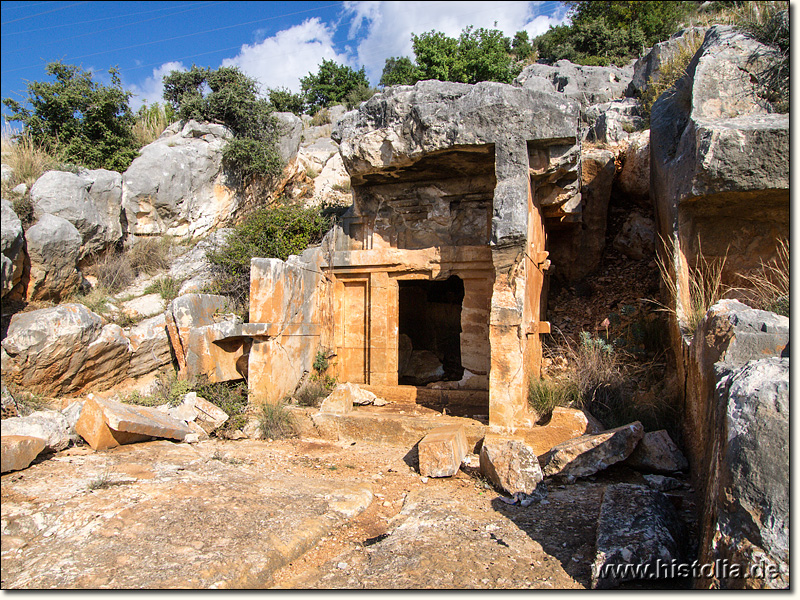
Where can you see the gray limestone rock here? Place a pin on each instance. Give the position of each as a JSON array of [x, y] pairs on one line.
[[291, 131], [54, 246], [637, 527], [637, 238], [49, 425], [657, 453], [585, 84], [12, 240]]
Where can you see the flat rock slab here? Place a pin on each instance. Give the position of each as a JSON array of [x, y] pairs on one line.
[[637, 527], [106, 424], [588, 454], [165, 515], [18, 451], [442, 450]]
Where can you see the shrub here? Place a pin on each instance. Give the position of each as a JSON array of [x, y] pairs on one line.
[[357, 95], [166, 287], [230, 397], [23, 207], [545, 394], [227, 96], [283, 100], [266, 233], [321, 117], [169, 389], [313, 392], [87, 122], [330, 84], [276, 421]]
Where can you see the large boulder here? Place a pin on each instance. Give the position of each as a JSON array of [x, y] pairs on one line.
[[657, 453], [149, 343], [177, 185], [90, 200], [64, 349], [291, 133], [585, 84], [54, 246], [634, 179], [510, 463], [12, 241], [613, 122], [48, 425], [18, 451]]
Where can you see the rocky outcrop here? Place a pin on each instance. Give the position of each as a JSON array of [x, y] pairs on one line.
[[12, 242], [719, 162], [290, 135], [177, 186], [90, 200], [648, 68], [634, 179], [637, 238], [736, 432], [657, 453], [615, 122], [54, 246], [588, 454], [585, 84], [746, 516], [68, 349], [637, 528]]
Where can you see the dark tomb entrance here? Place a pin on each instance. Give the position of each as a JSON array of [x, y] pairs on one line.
[[429, 347]]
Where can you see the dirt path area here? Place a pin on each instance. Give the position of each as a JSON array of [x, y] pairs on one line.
[[288, 514]]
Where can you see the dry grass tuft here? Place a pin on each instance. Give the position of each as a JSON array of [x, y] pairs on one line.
[[767, 288], [29, 160]]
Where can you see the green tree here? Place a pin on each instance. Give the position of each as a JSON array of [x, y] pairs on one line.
[[229, 97], [521, 46], [283, 100], [89, 123], [436, 55], [399, 71], [331, 84]]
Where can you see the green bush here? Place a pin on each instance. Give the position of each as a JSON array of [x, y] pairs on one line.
[[399, 71], [283, 100], [331, 84], [545, 394], [265, 233], [770, 26], [83, 121], [230, 397], [227, 96], [276, 421]]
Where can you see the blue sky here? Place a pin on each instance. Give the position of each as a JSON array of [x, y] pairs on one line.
[[275, 42]]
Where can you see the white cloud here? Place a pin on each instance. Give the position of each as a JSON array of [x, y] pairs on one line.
[[281, 60], [152, 88], [389, 25]]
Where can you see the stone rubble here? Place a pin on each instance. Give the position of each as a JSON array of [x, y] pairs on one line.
[[510, 463]]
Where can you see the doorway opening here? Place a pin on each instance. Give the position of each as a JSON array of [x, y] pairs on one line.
[[429, 347]]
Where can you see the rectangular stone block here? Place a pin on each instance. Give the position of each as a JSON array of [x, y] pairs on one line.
[[106, 424], [442, 450]]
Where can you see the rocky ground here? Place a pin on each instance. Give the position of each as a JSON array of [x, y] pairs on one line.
[[289, 514]]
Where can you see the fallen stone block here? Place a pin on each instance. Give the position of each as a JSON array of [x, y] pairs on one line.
[[588, 454], [107, 424], [662, 483], [208, 414], [49, 425], [18, 451], [442, 450], [639, 527], [657, 453], [340, 400], [510, 463]]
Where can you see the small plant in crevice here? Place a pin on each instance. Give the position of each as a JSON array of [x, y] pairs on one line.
[[230, 397], [275, 421], [167, 287], [767, 287], [101, 482]]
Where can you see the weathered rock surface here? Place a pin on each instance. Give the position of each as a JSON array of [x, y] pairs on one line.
[[149, 345], [8, 404], [90, 200], [18, 451], [340, 400], [648, 68], [636, 240], [585, 84], [106, 424], [48, 425], [177, 185], [657, 453], [208, 415], [193, 267], [636, 526], [54, 248], [6, 173], [588, 454], [207, 340], [510, 463], [614, 122], [634, 179], [746, 515], [291, 132], [148, 305], [442, 450], [12, 241], [662, 483]]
